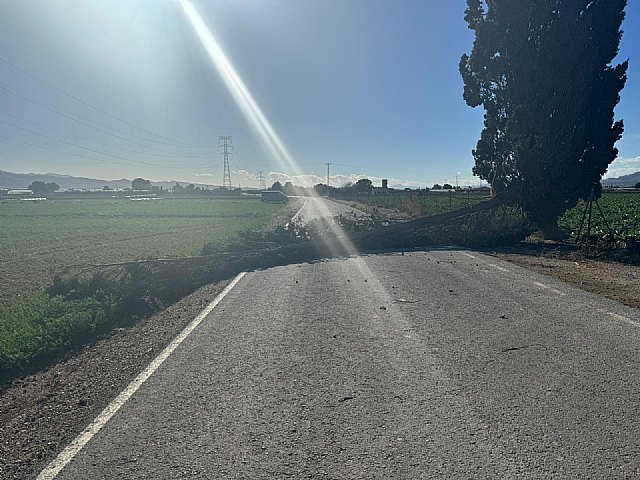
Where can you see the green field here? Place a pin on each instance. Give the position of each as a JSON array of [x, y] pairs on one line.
[[422, 202], [39, 238], [621, 209]]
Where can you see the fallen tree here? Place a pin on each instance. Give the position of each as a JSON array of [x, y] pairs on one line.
[[87, 301]]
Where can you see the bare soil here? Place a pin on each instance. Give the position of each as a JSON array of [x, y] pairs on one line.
[[612, 279]]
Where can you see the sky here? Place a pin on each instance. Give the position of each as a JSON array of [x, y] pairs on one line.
[[116, 89]]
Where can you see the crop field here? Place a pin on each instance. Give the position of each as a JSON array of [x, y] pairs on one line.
[[423, 203], [621, 209], [38, 238]]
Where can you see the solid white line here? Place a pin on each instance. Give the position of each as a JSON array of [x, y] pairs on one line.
[[467, 254], [110, 410], [624, 319], [497, 267], [295, 217], [547, 287]]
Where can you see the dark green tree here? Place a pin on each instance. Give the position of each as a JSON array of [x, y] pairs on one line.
[[542, 71], [42, 187], [140, 184], [364, 185], [289, 188]]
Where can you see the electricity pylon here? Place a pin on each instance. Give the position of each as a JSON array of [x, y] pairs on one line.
[[225, 149]]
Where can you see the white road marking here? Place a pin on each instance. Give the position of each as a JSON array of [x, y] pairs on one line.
[[497, 267], [467, 255], [547, 287], [295, 217], [52, 470], [624, 319]]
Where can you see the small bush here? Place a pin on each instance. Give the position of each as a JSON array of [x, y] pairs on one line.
[[40, 327]]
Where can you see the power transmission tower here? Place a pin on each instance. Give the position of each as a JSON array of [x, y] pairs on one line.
[[225, 149], [261, 179], [327, 164]]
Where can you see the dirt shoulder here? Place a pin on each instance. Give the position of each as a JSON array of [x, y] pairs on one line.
[[615, 280]]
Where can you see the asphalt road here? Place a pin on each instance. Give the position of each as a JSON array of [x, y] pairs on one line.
[[433, 364], [317, 207]]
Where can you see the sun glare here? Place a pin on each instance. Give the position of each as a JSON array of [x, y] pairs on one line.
[[247, 104], [258, 121]]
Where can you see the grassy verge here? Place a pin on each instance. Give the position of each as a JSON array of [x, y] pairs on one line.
[[40, 327]]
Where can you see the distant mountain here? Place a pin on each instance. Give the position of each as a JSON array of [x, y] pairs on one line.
[[23, 180], [624, 181]]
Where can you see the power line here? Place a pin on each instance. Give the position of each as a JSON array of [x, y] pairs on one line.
[[93, 159], [83, 148], [71, 117], [59, 151], [59, 90], [102, 143]]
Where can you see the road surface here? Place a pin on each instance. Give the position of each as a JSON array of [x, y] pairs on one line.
[[433, 364], [317, 207]]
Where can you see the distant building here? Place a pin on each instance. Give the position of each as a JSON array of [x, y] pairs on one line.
[[385, 183], [19, 192]]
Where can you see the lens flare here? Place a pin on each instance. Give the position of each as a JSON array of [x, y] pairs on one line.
[[247, 104], [258, 121], [253, 113]]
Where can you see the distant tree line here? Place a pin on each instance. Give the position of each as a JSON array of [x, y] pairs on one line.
[[290, 189], [42, 187], [140, 184]]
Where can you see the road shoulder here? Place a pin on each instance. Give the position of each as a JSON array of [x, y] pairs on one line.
[[617, 281]]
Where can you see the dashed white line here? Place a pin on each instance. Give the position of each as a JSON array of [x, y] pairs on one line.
[[624, 319], [52, 470], [467, 254], [547, 287]]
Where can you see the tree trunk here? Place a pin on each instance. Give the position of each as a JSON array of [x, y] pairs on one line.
[[550, 230]]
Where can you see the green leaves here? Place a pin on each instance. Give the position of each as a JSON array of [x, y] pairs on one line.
[[39, 326], [542, 72]]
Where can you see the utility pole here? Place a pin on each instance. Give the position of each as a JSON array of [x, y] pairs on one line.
[[327, 164], [261, 180], [225, 149]]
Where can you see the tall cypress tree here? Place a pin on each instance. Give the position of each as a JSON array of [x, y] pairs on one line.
[[542, 71]]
